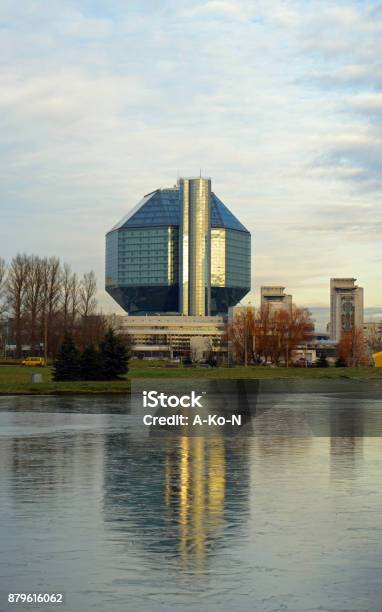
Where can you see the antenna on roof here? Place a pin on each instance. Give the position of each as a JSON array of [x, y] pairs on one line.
[[200, 173]]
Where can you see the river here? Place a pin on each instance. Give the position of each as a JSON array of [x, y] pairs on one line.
[[121, 521]]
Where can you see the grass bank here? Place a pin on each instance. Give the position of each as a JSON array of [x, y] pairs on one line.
[[16, 379]]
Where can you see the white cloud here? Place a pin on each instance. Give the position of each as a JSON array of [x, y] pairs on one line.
[[98, 109], [217, 8], [368, 102], [76, 25]]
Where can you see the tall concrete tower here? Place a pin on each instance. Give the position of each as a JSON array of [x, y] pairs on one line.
[[195, 247], [346, 306]]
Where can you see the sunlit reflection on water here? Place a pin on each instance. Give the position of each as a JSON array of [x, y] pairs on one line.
[[260, 522]]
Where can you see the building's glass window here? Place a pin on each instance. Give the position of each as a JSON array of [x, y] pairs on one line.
[[112, 259], [218, 263], [148, 256], [238, 259]]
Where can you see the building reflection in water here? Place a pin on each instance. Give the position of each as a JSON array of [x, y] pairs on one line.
[[347, 427], [180, 496], [201, 493]]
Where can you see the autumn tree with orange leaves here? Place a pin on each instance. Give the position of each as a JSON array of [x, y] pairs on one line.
[[270, 336], [280, 331], [241, 334], [351, 348]]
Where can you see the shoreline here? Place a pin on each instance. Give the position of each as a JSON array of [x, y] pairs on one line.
[[16, 380]]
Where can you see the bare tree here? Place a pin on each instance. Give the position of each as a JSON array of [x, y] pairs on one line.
[[33, 296], [50, 301], [46, 299], [88, 290], [89, 325], [66, 295], [74, 290], [16, 288], [3, 274], [374, 339], [77, 308]]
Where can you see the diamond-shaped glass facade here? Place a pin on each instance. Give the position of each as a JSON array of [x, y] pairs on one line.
[[142, 256]]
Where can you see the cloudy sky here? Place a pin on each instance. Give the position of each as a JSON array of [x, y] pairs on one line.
[[279, 102]]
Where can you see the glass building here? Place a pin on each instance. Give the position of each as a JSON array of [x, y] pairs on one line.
[[179, 251]]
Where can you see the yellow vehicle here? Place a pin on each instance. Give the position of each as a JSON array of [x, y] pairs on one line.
[[33, 361], [378, 359]]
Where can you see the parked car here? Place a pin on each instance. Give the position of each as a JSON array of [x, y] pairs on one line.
[[33, 361]]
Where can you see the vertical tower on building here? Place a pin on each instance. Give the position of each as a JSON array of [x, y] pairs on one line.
[[346, 306], [195, 247]]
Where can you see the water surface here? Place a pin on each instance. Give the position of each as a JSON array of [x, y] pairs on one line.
[[121, 521]]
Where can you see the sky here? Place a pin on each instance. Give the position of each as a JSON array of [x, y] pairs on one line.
[[280, 103]]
